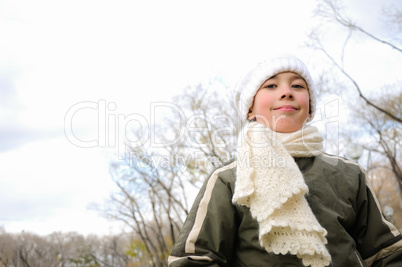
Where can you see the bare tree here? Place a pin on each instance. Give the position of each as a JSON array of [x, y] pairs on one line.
[[387, 132], [332, 11], [64, 250], [195, 135], [8, 249], [388, 192]]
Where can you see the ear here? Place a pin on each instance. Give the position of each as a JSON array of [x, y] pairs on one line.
[[250, 115]]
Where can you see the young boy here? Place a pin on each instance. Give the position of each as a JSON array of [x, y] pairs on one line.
[[284, 202]]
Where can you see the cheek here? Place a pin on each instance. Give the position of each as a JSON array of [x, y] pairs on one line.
[[304, 100], [263, 101]]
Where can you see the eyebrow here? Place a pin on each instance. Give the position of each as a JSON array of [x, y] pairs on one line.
[[294, 75]]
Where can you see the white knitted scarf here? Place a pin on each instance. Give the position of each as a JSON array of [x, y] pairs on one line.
[[270, 183]]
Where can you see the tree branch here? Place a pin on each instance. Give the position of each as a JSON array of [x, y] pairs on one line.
[[358, 88], [346, 22]]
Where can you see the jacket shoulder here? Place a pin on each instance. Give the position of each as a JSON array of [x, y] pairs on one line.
[[338, 162], [226, 172]]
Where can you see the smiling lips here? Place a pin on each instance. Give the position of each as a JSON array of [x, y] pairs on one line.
[[286, 108]]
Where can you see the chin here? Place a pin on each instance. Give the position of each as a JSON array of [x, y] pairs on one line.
[[287, 127]]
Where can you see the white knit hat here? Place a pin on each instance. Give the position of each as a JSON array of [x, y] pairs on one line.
[[251, 82]]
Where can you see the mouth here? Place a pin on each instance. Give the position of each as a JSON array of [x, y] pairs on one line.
[[286, 108]]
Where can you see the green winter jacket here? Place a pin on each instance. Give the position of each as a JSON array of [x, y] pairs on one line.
[[219, 233]]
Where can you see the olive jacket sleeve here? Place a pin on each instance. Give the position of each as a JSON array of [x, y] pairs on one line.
[[209, 231], [377, 240]]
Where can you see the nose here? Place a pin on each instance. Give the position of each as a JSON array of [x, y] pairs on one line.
[[286, 93]]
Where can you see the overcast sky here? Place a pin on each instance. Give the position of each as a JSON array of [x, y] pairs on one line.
[[70, 60]]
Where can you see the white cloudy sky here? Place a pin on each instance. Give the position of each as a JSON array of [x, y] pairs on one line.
[[57, 55]]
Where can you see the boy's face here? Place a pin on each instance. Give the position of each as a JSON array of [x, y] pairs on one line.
[[282, 103]]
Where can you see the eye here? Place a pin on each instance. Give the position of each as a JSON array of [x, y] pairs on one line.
[[298, 86], [270, 86]]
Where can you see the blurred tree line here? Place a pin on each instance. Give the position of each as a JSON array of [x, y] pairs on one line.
[[157, 182], [67, 250]]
